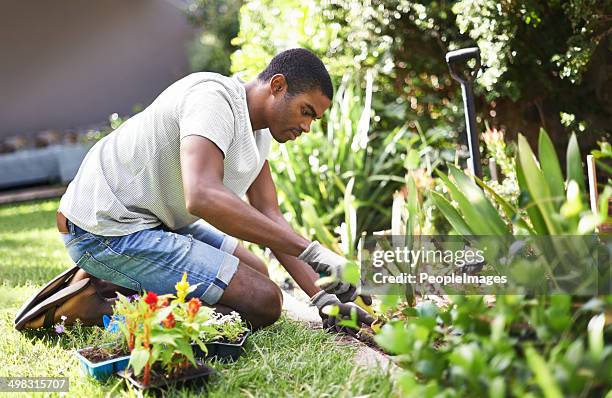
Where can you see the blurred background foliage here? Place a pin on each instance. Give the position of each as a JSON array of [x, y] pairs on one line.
[[547, 64], [210, 51]]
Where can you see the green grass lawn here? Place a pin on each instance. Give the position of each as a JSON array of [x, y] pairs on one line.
[[286, 359]]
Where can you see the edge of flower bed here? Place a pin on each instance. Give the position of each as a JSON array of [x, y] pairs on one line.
[[365, 355]]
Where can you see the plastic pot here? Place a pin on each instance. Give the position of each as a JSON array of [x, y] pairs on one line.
[[227, 352], [102, 370]]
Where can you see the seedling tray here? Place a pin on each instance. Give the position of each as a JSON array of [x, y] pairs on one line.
[[102, 370], [227, 352], [201, 373]]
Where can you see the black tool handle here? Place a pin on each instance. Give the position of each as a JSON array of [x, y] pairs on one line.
[[455, 60]]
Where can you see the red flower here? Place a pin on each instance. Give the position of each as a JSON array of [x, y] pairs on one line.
[[151, 299], [193, 306], [164, 302], [169, 322]]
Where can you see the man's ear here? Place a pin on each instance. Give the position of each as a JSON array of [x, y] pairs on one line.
[[278, 84]]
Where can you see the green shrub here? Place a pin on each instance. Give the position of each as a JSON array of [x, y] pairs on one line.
[[519, 347], [210, 51], [548, 204]]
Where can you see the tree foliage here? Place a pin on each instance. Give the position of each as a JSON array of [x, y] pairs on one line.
[[211, 49], [546, 62]]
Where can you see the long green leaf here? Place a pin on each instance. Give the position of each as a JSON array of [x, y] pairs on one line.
[[511, 212], [470, 215], [479, 201], [412, 204], [574, 163], [543, 374], [311, 219], [551, 168], [536, 184], [532, 210], [390, 146], [451, 215]]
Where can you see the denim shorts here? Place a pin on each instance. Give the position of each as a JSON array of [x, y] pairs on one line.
[[155, 259]]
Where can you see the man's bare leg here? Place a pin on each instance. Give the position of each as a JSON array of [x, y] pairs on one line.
[[268, 299], [254, 296], [247, 257]]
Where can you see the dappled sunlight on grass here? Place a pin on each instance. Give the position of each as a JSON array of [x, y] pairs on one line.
[[286, 359], [30, 248]]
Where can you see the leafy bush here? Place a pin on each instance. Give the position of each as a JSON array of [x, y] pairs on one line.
[[544, 59], [507, 345], [210, 51], [548, 205], [519, 347]]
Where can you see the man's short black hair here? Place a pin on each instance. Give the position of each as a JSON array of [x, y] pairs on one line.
[[303, 72]]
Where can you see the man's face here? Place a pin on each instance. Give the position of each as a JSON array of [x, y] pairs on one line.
[[289, 116]]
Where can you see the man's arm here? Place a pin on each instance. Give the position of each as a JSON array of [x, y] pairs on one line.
[[206, 197], [262, 196]]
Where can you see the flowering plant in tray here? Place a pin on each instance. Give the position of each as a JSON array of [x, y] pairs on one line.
[[160, 330]]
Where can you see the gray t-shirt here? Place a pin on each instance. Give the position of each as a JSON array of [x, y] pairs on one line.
[[131, 179]]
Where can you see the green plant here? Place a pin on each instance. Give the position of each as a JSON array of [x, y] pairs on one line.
[[210, 51], [548, 205], [159, 331], [230, 327], [518, 347]]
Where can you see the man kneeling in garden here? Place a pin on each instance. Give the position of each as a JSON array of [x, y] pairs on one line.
[[134, 215]]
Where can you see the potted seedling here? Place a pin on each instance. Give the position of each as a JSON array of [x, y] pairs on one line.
[[224, 335], [159, 331], [103, 361]]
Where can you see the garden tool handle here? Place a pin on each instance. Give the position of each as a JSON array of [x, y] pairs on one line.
[[455, 59], [459, 57]]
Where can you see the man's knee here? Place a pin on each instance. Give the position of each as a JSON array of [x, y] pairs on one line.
[[254, 296], [271, 305]]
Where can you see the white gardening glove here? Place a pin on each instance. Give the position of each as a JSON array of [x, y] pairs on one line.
[[328, 263]]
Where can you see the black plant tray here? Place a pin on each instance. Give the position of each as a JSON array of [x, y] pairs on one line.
[[227, 352], [200, 374]]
